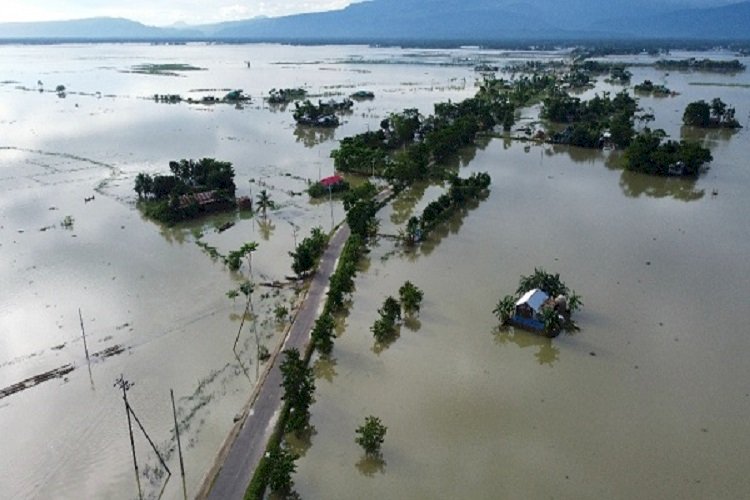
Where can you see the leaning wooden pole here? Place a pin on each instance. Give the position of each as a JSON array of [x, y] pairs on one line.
[[83, 333], [125, 386], [179, 446], [148, 438], [242, 321]]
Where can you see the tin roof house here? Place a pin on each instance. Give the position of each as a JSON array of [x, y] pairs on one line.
[[528, 311]]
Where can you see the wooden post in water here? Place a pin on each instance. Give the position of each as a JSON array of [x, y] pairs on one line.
[[179, 446], [83, 333], [125, 385]]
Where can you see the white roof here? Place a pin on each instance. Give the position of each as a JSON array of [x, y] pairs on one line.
[[534, 298]]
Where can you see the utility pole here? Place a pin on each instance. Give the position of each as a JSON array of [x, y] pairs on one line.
[[125, 386], [179, 446]]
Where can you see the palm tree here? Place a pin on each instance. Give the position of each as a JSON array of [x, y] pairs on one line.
[[504, 309], [264, 201]]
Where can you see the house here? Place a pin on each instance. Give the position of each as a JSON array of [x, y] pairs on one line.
[[331, 181], [528, 311], [201, 199]]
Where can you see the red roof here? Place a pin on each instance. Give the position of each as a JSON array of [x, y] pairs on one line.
[[202, 198], [332, 180]]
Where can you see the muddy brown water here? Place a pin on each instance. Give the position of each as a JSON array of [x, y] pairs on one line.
[[650, 397]]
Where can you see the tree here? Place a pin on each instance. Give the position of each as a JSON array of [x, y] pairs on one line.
[[411, 297], [552, 321], [505, 309], [370, 435], [264, 201], [322, 333], [298, 382], [143, 184], [391, 309], [697, 114], [361, 217], [281, 466]]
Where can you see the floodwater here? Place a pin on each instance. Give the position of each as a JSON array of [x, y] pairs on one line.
[[649, 398]]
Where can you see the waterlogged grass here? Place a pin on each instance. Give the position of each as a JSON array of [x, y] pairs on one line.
[[170, 69], [721, 84]]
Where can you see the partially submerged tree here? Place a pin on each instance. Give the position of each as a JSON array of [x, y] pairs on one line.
[[370, 435], [411, 297]]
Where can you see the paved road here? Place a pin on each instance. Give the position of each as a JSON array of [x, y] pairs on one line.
[[247, 448]]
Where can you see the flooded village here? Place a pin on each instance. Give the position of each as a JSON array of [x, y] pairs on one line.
[[128, 252]]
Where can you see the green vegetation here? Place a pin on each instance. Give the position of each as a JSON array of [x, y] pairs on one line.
[[281, 466], [168, 69], [305, 256], [556, 312], [410, 297], [67, 222], [460, 192], [342, 280], [264, 201], [714, 115], [591, 120], [363, 192], [322, 115], [194, 188], [370, 435], [362, 95], [706, 65], [361, 218], [409, 146], [234, 259], [318, 190], [648, 87], [649, 155], [298, 382], [322, 333], [285, 96]]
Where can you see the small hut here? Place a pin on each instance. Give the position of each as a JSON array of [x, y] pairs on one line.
[[528, 311]]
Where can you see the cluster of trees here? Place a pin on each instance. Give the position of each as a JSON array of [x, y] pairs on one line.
[[410, 302], [321, 115], [714, 115], [408, 146], [554, 287], [701, 65], [298, 382], [284, 96], [341, 282], [617, 71], [305, 256], [590, 119], [161, 194], [460, 191], [648, 87], [649, 154]]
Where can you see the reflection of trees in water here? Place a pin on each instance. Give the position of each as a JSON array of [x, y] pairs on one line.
[[441, 231], [403, 206], [547, 353], [325, 368], [312, 136], [635, 184], [300, 443], [369, 465], [412, 323], [379, 347], [265, 228], [277, 107], [707, 134], [576, 154]]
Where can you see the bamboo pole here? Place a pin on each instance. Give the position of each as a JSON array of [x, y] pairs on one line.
[[179, 446]]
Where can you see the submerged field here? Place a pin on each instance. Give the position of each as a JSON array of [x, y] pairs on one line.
[[649, 397]]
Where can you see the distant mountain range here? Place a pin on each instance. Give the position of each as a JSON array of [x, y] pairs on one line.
[[437, 21]]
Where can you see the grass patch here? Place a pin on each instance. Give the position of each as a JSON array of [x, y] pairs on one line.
[[170, 69], [719, 84]]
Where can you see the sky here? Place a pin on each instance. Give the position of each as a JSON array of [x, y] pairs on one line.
[[160, 12]]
